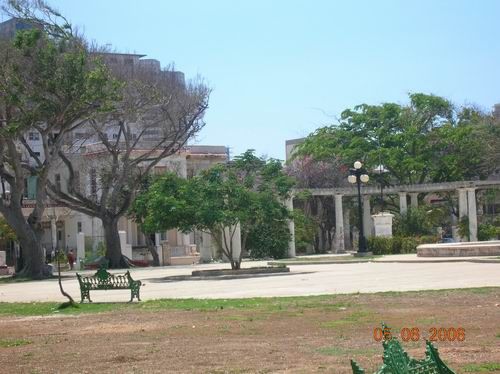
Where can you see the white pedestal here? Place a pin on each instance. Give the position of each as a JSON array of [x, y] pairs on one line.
[[383, 224], [80, 248], [126, 248]]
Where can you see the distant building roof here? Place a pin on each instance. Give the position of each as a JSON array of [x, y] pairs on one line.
[[295, 141]]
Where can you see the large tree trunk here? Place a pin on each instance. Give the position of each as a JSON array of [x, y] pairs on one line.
[[113, 247], [32, 255], [32, 252]]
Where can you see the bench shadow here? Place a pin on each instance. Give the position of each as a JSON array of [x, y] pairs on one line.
[[107, 302], [180, 278]]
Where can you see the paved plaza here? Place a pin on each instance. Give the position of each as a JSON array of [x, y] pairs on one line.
[[368, 277]]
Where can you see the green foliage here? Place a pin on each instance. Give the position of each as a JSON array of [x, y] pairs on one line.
[[7, 343], [6, 232], [398, 244], [57, 79], [484, 367], [487, 231], [305, 230], [427, 140], [248, 191], [269, 235], [419, 221]]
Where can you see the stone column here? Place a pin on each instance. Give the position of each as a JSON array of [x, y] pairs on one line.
[[126, 248], [347, 228], [80, 249], [186, 239], [130, 238], [179, 238], [206, 253], [339, 225], [403, 204], [367, 217], [414, 199], [291, 228], [158, 246], [53, 233], [471, 197], [236, 240], [462, 202]]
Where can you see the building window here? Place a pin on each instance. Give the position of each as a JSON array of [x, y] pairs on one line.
[[79, 227], [37, 154], [58, 182], [33, 136], [115, 136]]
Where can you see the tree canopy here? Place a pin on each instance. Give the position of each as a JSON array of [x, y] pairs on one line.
[[50, 84], [427, 140]]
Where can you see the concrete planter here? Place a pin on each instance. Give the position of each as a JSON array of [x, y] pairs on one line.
[[256, 270], [465, 249]]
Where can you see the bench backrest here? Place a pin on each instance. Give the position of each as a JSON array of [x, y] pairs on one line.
[[397, 361], [103, 278]]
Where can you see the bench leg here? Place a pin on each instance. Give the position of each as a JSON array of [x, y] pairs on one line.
[[134, 292], [85, 294]]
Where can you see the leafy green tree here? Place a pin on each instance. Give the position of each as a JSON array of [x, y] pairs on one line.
[[427, 140], [248, 192], [305, 230]]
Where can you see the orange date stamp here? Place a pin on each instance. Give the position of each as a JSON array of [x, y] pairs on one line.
[[433, 334]]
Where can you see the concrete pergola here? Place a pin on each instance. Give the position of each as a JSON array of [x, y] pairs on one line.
[[466, 191]]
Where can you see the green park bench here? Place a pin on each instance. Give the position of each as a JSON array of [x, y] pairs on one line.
[[104, 280], [397, 361]]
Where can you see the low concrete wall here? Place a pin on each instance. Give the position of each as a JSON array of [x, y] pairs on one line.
[[465, 249]]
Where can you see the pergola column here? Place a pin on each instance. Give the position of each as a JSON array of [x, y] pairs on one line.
[[53, 233], [347, 228], [339, 225], [471, 197], [414, 199], [403, 204], [291, 228], [367, 217], [462, 202]]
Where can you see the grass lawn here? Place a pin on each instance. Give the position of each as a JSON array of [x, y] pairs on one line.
[[257, 335]]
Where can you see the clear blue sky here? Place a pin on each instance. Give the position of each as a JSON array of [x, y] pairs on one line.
[[280, 69]]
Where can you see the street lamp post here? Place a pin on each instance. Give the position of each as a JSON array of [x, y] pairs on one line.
[[358, 176]]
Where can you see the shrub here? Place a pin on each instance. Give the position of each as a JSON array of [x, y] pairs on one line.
[[419, 221], [379, 245], [487, 231], [398, 244]]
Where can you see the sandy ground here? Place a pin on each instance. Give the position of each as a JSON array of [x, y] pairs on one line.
[[321, 338], [302, 280]]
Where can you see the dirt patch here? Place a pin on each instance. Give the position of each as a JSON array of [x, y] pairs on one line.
[[299, 339]]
